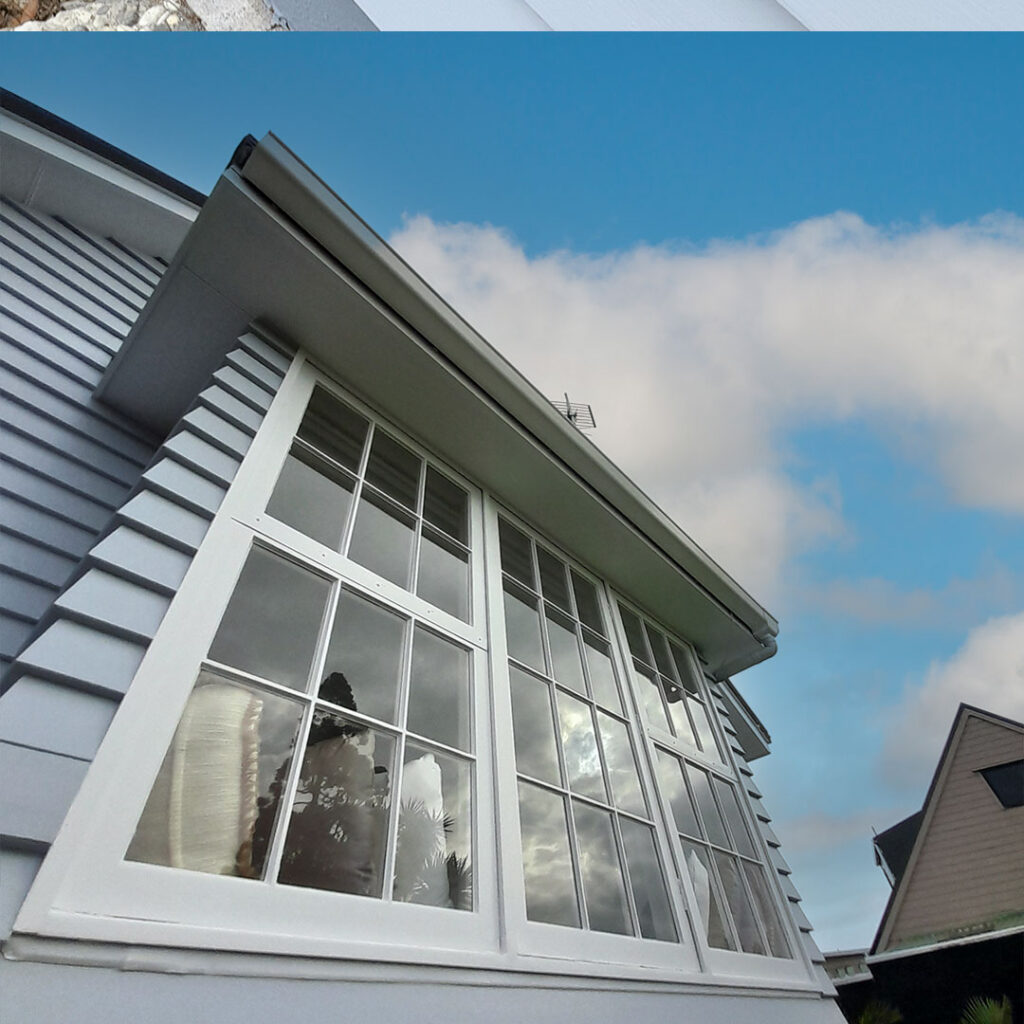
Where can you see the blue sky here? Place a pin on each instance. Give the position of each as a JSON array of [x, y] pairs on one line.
[[803, 257]]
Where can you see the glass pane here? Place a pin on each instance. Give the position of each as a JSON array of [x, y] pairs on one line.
[[446, 505], [684, 668], [382, 538], [394, 469], [579, 748], [516, 557], [635, 635], [602, 676], [272, 621], [312, 497], [622, 771], [566, 663], [588, 608], [670, 775], [660, 648], [335, 428], [777, 940], [215, 800], [731, 809], [337, 836], [739, 904], [708, 901], [702, 724], [713, 827], [443, 578], [363, 670], [522, 627], [647, 880], [553, 581], [650, 696], [534, 728], [433, 853], [439, 693], [607, 909], [547, 864], [677, 711]]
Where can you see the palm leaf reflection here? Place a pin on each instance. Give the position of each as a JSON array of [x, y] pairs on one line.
[[338, 834]]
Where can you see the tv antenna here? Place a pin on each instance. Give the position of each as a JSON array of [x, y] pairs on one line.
[[579, 414]]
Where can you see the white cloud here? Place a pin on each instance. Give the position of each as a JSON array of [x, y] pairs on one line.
[[987, 671], [698, 361], [880, 602]]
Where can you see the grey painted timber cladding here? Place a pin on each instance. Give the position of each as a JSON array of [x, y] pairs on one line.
[[66, 461], [107, 603]]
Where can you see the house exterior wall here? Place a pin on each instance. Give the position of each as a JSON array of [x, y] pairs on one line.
[[150, 502], [969, 870], [100, 518], [67, 299]]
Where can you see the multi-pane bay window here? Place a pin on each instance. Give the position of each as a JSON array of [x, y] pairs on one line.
[[589, 852], [328, 742], [402, 725], [734, 901]]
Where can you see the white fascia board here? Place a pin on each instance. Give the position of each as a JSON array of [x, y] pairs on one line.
[[275, 171], [277, 249], [967, 940], [48, 173]]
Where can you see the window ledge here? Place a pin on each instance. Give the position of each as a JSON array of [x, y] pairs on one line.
[[496, 970]]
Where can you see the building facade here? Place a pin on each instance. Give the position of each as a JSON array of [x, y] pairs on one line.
[[953, 928], [340, 670]]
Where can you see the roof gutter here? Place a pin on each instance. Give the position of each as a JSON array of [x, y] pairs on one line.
[[284, 180]]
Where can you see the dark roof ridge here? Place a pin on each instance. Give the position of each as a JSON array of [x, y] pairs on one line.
[[47, 120]]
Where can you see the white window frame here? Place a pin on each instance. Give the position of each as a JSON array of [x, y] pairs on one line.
[[87, 890], [719, 962], [109, 897], [564, 942]]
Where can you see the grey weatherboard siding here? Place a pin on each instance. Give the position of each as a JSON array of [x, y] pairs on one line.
[[101, 520]]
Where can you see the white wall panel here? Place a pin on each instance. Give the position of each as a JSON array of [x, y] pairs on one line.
[[457, 15], [665, 15], [909, 15]]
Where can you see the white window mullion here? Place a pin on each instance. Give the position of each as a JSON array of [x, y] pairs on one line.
[[509, 864]]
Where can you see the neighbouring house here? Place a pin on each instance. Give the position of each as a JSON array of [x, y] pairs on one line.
[[344, 678], [953, 928]]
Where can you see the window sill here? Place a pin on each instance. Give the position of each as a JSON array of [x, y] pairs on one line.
[[87, 941]]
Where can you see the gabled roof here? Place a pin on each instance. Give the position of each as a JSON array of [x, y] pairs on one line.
[[925, 815]]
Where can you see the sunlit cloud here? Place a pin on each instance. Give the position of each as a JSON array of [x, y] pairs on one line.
[[987, 671], [700, 361]]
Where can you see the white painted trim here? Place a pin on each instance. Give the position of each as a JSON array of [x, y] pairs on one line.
[[62, 151], [717, 961], [969, 940], [222, 963]]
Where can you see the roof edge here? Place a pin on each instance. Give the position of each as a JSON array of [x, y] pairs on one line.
[[289, 184], [22, 108]]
